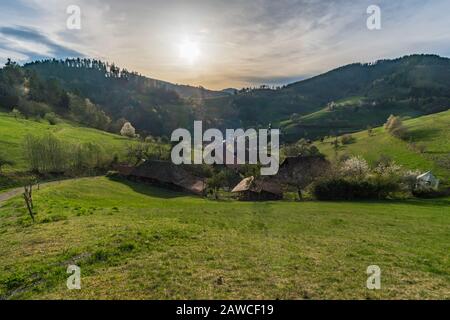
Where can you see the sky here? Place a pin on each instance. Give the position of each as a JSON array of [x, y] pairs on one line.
[[224, 43]]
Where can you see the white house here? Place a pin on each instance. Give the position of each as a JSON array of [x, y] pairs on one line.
[[427, 181]]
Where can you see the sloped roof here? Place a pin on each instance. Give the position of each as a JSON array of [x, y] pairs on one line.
[[167, 172], [258, 185], [244, 185], [426, 176], [301, 160]]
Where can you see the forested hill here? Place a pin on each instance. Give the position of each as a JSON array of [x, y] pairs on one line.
[[77, 73], [153, 106], [346, 99]]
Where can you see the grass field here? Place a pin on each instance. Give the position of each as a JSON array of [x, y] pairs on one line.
[[137, 242], [347, 116], [431, 131], [13, 131]]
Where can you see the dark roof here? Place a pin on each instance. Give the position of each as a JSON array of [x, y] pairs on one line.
[[301, 160], [168, 173]]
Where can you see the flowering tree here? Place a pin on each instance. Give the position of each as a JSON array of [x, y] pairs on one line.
[[355, 167], [128, 130]]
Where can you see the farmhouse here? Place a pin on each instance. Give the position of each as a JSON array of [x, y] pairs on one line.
[[258, 189], [427, 181], [165, 174]]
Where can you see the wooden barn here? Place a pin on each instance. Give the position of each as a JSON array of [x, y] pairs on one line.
[[258, 189], [165, 174]]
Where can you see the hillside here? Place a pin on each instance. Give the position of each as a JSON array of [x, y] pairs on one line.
[[13, 131], [432, 132], [346, 99], [137, 242]]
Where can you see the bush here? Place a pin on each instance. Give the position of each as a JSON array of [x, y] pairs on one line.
[[89, 156], [429, 193], [16, 113], [4, 162], [347, 139], [32, 108], [394, 126], [51, 118], [46, 154], [342, 189]]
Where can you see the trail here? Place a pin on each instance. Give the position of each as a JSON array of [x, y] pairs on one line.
[[4, 196]]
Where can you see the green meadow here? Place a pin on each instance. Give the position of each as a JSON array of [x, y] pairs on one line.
[[13, 131], [133, 241], [431, 131]]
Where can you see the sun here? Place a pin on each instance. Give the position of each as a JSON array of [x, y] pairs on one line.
[[189, 51]]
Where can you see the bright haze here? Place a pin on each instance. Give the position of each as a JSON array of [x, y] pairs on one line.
[[224, 43]]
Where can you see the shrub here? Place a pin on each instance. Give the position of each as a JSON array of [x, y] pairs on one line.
[[89, 156], [51, 118], [343, 189], [347, 139], [383, 159], [4, 162], [32, 108], [16, 113], [46, 154], [394, 126], [429, 193]]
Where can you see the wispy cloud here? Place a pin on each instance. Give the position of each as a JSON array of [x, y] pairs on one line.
[[32, 43], [242, 42]]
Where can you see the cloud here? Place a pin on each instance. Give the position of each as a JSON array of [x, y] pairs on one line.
[[242, 43], [33, 44]]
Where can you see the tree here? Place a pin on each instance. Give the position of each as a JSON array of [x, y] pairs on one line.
[[335, 145], [302, 171], [138, 152], [302, 147], [347, 139], [16, 113], [356, 167], [46, 154], [4, 162], [217, 181], [394, 126], [128, 130]]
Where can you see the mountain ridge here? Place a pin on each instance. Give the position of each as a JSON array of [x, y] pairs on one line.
[[409, 86]]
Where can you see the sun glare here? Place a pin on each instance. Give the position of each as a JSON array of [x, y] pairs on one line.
[[189, 51]]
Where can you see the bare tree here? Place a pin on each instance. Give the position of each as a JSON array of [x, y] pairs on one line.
[[301, 171], [28, 197]]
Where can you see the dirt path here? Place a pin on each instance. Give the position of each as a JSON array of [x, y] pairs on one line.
[[17, 191], [10, 194]]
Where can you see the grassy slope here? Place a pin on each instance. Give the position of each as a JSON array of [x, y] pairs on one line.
[[343, 118], [12, 132], [133, 241], [431, 131]]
